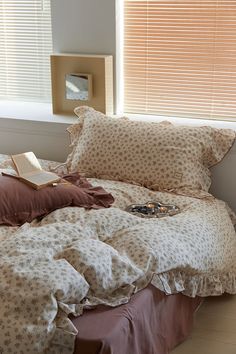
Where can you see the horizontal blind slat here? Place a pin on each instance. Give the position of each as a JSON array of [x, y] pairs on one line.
[[25, 48], [180, 58]]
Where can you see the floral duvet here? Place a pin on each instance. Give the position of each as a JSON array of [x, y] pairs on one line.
[[75, 258]]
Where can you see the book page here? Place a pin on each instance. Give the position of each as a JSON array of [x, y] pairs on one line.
[[41, 177], [26, 163]]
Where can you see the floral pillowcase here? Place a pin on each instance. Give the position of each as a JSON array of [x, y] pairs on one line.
[[155, 155]]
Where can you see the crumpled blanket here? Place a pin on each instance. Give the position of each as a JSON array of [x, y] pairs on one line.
[[75, 258]]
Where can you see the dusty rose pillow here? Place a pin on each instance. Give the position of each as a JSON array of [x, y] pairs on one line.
[[156, 155], [21, 203]]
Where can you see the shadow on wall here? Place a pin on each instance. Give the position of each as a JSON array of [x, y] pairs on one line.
[[224, 179]]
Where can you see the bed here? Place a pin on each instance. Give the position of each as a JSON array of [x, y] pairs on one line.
[[105, 281]]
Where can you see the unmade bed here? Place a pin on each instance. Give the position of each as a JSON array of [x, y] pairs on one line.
[[183, 264], [103, 281]]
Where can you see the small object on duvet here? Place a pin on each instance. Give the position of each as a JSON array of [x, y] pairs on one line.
[[153, 210]]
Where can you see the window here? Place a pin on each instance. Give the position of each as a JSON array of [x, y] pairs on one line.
[[180, 58], [25, 48]]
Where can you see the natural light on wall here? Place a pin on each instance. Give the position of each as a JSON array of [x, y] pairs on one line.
[[25, 48], [180, 58]]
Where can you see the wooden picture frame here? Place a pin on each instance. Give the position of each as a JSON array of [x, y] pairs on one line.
[[99, 71]]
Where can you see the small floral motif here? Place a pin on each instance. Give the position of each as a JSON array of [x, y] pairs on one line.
[[156, 155]]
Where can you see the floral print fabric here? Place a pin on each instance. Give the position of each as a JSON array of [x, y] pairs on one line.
[[160, 156], [75, 258]]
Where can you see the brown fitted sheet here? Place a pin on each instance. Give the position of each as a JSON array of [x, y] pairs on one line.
[[151, 323]]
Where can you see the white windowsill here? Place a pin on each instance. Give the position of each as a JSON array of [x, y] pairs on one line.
[[185, 121], [31, 111], [42, 112]]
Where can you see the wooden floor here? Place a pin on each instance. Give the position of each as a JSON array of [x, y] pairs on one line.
[[214, 328]]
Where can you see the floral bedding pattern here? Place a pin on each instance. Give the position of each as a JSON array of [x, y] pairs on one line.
[[75, 258], [159, 156]]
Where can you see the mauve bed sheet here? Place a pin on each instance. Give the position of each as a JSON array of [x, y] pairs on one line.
[[151, 323]]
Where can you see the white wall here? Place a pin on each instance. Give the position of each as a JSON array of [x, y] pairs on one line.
[[84, 26], [48, 140]]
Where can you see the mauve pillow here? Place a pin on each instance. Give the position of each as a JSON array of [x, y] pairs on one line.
[[21, 203]]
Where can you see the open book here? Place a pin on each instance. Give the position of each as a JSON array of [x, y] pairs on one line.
[[30, 171]]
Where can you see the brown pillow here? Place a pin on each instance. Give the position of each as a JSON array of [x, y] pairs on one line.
[[21, 203]]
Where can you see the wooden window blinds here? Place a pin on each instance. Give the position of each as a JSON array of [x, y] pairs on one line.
[[180, 58], [25, 48]]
